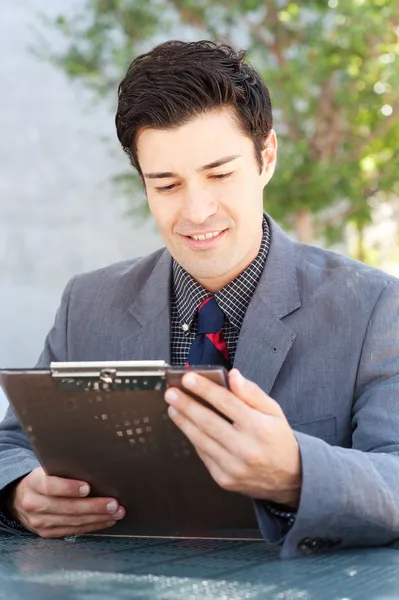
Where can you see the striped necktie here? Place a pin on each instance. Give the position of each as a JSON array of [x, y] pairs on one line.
[[209, 346]]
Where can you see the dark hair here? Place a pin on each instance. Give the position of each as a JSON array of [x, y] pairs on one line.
[[177, 81]]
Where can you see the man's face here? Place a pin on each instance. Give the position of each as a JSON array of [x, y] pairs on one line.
[[202, 179]]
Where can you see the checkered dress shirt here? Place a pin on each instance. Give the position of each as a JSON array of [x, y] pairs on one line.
[[233, 299]]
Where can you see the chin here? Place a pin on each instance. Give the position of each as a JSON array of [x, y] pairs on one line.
[[206, 272]]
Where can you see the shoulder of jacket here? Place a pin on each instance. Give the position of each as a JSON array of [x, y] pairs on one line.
[[116, 274]]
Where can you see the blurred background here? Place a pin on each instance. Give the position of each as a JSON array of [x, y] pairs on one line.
[[69, 201]]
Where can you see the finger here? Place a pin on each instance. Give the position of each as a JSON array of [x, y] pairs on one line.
[[219, 397], [205, 419], [252, 394], [60, 532], [51, 521], [208, 432], [36, 503], [59, 486]]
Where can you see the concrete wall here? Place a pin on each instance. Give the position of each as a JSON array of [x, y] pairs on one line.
[[59, 213]]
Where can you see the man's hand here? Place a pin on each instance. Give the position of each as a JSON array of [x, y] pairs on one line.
[[54, 507], [257, 455]]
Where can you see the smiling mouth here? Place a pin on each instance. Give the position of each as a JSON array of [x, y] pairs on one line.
[[205, 236]]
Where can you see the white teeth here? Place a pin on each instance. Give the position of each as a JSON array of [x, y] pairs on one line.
[[205, 236]]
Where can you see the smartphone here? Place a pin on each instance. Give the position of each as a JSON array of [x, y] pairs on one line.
[[217, 374]]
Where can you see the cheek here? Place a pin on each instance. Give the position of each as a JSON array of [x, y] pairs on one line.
[[163, 211], [240, 195]]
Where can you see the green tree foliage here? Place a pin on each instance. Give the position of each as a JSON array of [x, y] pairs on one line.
[[332, 68]]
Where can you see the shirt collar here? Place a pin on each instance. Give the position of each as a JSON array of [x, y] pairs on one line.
[[233, 299]]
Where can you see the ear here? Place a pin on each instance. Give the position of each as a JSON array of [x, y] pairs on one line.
[[269, 156]]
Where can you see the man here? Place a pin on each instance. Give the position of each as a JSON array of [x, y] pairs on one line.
[[313, 336]]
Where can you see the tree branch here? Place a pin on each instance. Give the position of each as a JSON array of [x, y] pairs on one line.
[[274, 24], [321, 225], [197, 20], [330, 124], [276, 46]]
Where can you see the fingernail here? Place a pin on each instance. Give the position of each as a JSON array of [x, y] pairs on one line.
[[189, 380], [170, 396], [84, 490], [110, 523], [119, 513], [112, 506], [172, 412], [239, 377]]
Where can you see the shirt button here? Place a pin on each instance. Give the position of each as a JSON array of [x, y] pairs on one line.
[[185, 327]]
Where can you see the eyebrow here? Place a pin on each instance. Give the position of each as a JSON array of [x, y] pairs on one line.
[[212, 165]]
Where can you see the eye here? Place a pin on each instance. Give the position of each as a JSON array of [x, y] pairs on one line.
[[222, 176], [166, 188]]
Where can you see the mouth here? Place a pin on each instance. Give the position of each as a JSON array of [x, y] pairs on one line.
[[205, 236], [202, 241]]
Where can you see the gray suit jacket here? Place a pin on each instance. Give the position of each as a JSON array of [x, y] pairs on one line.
[[321, 336]]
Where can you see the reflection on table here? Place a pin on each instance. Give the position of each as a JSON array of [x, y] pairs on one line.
[[104, 568]]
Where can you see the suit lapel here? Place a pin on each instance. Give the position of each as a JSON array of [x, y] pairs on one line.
[[265, 339], [149, 336]]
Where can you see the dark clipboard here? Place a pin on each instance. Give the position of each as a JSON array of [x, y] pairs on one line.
[[107, 424]]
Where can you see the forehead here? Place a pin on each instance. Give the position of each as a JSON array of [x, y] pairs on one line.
[[202, 140]]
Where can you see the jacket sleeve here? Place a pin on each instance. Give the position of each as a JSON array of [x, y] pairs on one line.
[[350, 496], [17, 458]]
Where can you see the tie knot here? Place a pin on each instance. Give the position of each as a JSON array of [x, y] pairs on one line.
[[210, 316]]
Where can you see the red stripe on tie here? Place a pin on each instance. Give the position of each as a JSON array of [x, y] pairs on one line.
[[204, 302], [218, 340]]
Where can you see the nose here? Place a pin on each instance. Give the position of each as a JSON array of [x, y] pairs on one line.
[[198, 205]]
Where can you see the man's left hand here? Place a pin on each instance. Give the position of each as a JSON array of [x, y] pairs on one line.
[[256, 454]]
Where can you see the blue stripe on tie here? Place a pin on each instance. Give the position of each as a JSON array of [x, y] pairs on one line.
[[203, 351]]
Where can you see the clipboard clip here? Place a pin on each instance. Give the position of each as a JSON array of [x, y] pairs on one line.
[[110, 376]]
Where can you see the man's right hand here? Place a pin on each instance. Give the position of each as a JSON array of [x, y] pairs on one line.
[[54, 507]]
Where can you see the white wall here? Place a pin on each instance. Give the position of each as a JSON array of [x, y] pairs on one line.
[[59, 213]]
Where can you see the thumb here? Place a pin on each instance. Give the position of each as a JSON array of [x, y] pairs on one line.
[[250, 393]]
